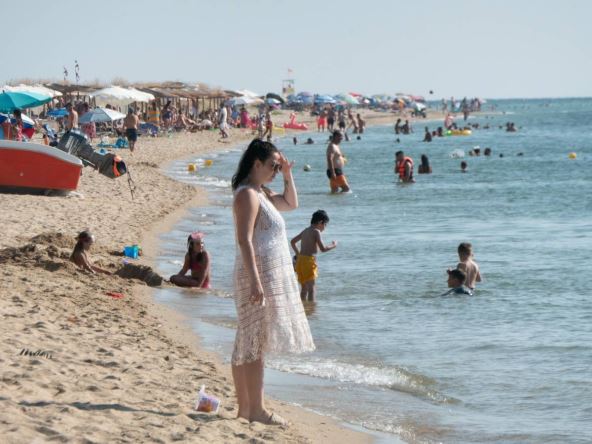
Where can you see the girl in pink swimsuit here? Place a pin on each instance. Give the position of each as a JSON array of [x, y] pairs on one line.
[[198, 261]]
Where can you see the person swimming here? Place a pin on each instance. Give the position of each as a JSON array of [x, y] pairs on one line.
[[456, 280], [424, 167]]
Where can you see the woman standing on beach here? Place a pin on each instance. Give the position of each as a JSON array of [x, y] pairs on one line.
[[270, 313]]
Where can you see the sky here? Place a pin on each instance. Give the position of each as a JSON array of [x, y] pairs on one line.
[[490, 49]]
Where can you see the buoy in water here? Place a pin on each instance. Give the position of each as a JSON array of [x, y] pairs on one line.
[[209, 162], [307, 167], [191, 168], [572, 155]]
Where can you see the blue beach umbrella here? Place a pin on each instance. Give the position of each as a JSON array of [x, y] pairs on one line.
[[60, 112], [101, 115], [27, 121], [11, 100], [322, 99]]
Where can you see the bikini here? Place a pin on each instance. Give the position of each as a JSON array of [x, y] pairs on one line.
[[197, 267]]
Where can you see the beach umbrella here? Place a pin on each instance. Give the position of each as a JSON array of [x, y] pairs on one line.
[[39, 89], [247, 93], [115, 94], [348, 99], [275, 97], [238, 101], [101, 115], [27, 121], [60, 112], [305, 94], [417, 106], [141, 96], [417, 98], [244, 100], [324, 99], [11, 100], [272, 101]]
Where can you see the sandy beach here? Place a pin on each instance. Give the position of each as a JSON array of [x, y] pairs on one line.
[[79, 365]]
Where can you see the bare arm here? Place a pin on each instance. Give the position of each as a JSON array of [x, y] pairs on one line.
[[407, 171], [324, 248], [246, 208], [85, 264], [330, 165], [100, 270], [294, 241], [288, 200], [186, 266]]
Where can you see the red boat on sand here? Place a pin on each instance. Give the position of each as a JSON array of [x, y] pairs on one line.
[[31, 165]]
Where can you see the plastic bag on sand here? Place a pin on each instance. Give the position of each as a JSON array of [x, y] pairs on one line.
[[206, 403]]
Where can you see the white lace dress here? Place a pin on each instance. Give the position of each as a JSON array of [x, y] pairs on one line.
[[280, 326]]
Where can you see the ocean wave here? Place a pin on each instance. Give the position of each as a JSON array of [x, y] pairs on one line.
[[390, 377]]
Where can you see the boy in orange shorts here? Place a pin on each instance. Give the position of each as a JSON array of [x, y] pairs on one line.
[[335, 163], [310, 243]]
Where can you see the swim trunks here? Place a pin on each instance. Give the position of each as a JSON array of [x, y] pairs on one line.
[[306, 268], [131, 134], [338, 181], [338, 172]]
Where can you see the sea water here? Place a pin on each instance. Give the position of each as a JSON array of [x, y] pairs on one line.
[[512, 363]]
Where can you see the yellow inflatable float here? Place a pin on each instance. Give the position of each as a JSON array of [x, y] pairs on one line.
[[572, 155], [458, 132]]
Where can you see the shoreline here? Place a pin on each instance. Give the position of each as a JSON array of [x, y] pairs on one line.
[[129, 363]]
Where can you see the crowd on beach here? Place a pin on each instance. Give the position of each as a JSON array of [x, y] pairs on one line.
[[269, 302]]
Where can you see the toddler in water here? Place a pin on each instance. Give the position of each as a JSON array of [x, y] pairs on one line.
[[310, 243], [84, 240], [198, 261], [468, 265], [456, 279]]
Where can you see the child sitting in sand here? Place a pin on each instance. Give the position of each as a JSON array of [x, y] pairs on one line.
[[456, 280], [310, 243], [468, 265], [84, 240], [198, 261]]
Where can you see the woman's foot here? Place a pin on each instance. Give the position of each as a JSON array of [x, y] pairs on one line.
[[270, 419], [241, 415]]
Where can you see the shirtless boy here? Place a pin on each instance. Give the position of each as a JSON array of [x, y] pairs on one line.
[[468, 265], [72, 120], [335, 164], [310, 244], [130, 123]]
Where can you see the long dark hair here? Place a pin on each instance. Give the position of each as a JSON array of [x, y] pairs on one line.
[[425, 162], [257, 150], [199, 257]]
